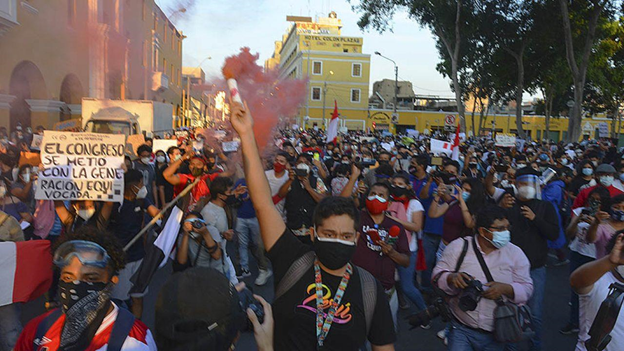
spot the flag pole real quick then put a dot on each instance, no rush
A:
(162, 212)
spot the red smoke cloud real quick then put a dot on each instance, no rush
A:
(268, 97)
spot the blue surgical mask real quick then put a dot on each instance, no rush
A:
(465, 196)
(606, 181)
(588, 171)
(617, 215)
(500, 239)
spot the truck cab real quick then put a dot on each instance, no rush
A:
(113, 120)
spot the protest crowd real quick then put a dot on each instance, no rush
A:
(349, 230)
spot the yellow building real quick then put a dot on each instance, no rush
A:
(53, 53)
(334, 65)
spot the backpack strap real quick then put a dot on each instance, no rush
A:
(484, 267)
(369, 295)
(462, 255)
(45, 325)
(294, 273)
(121, 329)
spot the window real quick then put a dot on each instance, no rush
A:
(164, 66)
(71, 12)
(355, 95)
(165, 33)
(143, 10)
(356, 70)
(316, 94)
(172, 76)
(155, 22)
(179, 46)
(155, 57)
(317, 67)
(178, 77)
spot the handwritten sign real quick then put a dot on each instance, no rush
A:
(505, 140)
(133, 142)
(36, 142)
(230, 146)
(164, 144)
(603, 130)
(81, 166)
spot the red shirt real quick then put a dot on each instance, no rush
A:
(368, 254)
(139, 339)
(581, 199)
(200, 190)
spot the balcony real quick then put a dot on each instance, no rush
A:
(160, 81)
(8, 15)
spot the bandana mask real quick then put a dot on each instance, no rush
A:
(85, 305)
(376, 204)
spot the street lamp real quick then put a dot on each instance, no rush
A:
(396, 82)
(181, 10)
(331, 73)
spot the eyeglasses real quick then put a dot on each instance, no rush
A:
(87, 252)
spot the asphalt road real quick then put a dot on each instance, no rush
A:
(556, 312)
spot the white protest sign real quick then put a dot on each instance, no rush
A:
(230, 146)
(81, 166)
(462, 137)
(163, 144)
(439, 146)
(505, 140)
(603, 130)
(36, 141)
(520, 144)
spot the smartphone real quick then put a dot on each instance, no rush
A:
(501, 167)
(374, 235)
(436, 161)
(317, 156)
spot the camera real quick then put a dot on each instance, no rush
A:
(606, 318)
(437, 308)
(198, 223)
(248, 301)
(301, 172)
(471, 295)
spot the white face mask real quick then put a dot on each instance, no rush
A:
(86, 213)
(606, 181)
(526, 192)
(26, 177)
(177, 157)
(3, 191)
(145, 160)
(160, 159)
(521, 165)
(142, 193)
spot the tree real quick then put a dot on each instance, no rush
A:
(446, 19)
(579, 29)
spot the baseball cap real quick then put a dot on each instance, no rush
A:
(198, 309)
(605, 168)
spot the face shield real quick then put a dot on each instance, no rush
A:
(528, 186)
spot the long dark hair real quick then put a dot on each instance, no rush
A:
(581, 165)
(477, 198)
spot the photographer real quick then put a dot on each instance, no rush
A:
(472, 329)
(591, 282)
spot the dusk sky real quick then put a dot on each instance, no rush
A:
(219, 28)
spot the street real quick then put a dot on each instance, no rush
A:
(556, 312)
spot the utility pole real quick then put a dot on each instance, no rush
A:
(396, 87)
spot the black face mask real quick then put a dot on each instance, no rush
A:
(230, 200)
(210, 164)
(384, 162)
(472, 165)
(333, 255)
(412, 170)
(397, 191)
(196, 172)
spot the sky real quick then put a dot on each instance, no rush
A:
(218, 29)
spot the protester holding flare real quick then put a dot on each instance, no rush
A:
(334, 238)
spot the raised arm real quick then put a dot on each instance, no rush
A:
(170, 172)
(489, 181)
(271, 224)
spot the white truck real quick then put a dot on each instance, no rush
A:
(126, 116)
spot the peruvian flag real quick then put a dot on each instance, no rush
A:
(332, 130)
(455, 155)
(25, 270)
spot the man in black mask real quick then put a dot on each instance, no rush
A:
(308, 280)
(89, 260)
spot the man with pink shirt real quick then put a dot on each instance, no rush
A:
(509, 268)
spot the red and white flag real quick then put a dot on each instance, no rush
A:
(455, 155)
(441, 147)
(332, 129)
(25, 270)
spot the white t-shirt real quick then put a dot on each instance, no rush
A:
(275, 184)
(580, 244)
(414, 206)
(215, 216)
(588, 308)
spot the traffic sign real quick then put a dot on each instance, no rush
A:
(449, 120)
